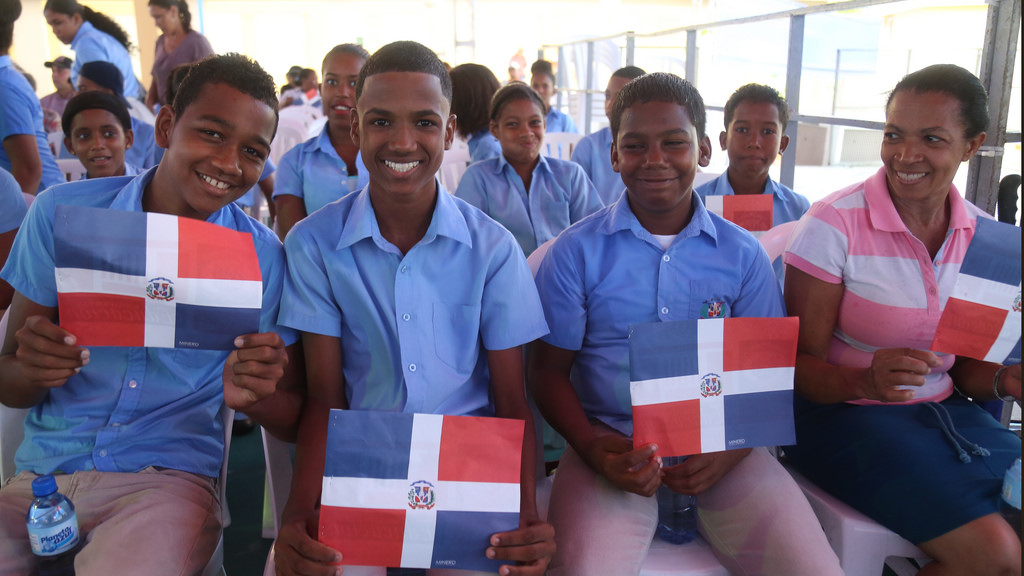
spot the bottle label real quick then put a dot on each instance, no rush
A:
(54, 540)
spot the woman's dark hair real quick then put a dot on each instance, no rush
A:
(174, 78)
(510, 93)
(10, 11)
(183, 13)
(101, 21)
(347, 48)
(957, 82)
(473, 86)
(546, 68)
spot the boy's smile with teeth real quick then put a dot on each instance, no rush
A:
(401, 166)
(216, 183)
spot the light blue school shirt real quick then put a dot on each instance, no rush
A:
(314, 172)
(91, 44)
(130, 408)
(12, 203)
(414, 329)
(787, 205)
(249, 198)
(483, 145)
(129, 170)
(593, 153)
(20, 113)
(609, 272)
(560, 194)
(558, 121)
(144, 153)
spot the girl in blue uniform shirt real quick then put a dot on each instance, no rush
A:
(542, 79)
(93, 36)
(533, 196)
(473, 86)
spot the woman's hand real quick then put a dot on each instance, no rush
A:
(893, 370)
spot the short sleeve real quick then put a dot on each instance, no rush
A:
(819, 244)
(30, 266)
(308, 303)
(471, 187)
(760, 295)
(15, 117)
(511, 313)
(272, 265)
(560, 286)
(288, 178)
(12, 203)
(585, 199)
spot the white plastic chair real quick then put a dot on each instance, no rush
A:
(560, 144)
(291, 130)
(453, 166)
(56, 142)
(71, 168)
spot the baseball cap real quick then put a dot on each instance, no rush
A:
(59, 62)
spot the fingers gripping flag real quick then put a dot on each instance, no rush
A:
(155, 280)
(710, 385)
(752, 212)
(981, 318)
(419, 490)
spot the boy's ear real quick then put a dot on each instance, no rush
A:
(353, 130)
(67, 144)
(615, 156)
(129, 139)
(163, 127)
(722, 138)
(493, 128)
(705, 152)
(783, 143)
(449, 131)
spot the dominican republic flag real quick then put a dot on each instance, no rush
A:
(710, 385)
(154, 280)
(419, 490)
(752, 212)
(982, 316)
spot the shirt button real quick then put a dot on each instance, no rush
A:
(404, 268)
(133, 384)
(931, 291)
(406, 317)
(664, 310)
(412, 367)
(103, 453)
(666, 258)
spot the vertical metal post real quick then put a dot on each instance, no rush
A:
(588, 106)
(794, 69)
(631, 48)
(560, 77)
(996, 74)
(202, 21)
(691, 56)
(835, 81)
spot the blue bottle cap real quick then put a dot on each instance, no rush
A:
(44, 486)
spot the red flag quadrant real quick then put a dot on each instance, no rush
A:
(419, 490)
(752, 212)
(155, 280)
(982, 316)
(702, 386)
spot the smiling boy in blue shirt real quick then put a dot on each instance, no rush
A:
(408, 299)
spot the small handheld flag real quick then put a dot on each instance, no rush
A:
(752, 212)
(419, 490)
(155, 280)
(702, 386)
(982, 318)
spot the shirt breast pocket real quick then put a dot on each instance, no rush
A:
(711, 299)
(456, 336)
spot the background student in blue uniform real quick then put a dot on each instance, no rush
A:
(98, 131)
(408, 300)
(656, 255)
(593, 152)
(533, 196)
(327, 166)
(133, 435)
(473, 87)
(542, 79)
(754, 136)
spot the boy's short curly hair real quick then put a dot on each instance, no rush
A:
(238, 71)
(405, 56)
(756, 93)
(660, 87)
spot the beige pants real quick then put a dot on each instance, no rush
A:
(153, 522)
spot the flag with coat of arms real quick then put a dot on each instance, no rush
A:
(701, 386)
(155, 280)
(752, 212)
(982, 316)
(419, 490)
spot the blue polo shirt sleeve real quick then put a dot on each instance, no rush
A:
(12, 202)
(585, 200)
(274, 269)
(308, 303)
(560, 286)
(288, 179)
(15, 117)
(511, 313)
(760, 295)
(583, 154)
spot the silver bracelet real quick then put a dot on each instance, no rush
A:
(995, 386)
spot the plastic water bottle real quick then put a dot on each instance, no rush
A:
(1010, 508)
(677, 513)
(52, 528)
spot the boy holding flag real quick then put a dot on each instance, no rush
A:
(409, 300)
(656, 255)
(133, 434)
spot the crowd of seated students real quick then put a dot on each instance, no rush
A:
(382, 291)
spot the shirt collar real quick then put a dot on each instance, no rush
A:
(542, 165)
(883, 212)
(447, 220)
(621, 217)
